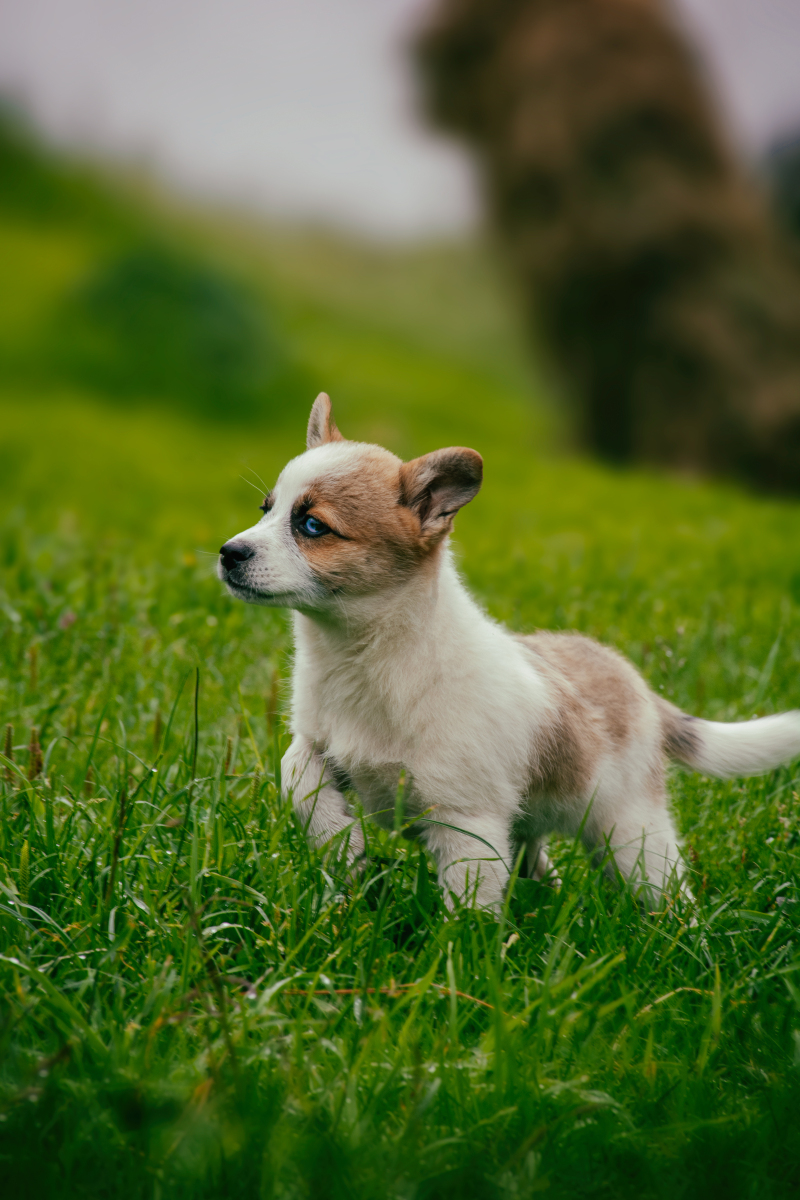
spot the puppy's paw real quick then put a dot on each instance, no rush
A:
(544, 870)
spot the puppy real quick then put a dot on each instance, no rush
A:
(502, 738)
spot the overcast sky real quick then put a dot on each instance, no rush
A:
(305, 107)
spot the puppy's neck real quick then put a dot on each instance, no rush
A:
(399, 619)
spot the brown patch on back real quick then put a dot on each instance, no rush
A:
(567, 749)
(598, 695)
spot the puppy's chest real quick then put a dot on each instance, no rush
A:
(370, 740)
(359, 720)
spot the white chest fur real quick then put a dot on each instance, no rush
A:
(428, 684)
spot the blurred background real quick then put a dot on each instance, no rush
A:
(536, 227)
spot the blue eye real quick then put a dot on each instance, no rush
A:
(312, 527)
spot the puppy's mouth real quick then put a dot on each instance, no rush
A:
(255, 595)
(245, 592)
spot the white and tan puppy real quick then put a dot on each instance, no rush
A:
(397, 669)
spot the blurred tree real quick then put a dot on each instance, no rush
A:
(646, 255)
(783, 173)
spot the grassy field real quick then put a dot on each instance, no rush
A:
(194, 1004)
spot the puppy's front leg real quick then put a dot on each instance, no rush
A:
(473, 855)
(318, 803)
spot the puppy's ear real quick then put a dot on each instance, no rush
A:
(437, 485)
(321, 425)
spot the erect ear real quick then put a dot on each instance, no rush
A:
(437, 485)
(321, 425)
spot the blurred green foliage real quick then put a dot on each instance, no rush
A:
(120, 307)
(157, 323)
(41, 187)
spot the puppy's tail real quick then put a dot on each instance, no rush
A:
(744, 748)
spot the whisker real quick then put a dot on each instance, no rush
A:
(261, 490)
(258, 477)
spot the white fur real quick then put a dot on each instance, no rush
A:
(747, 747)
(426, 683)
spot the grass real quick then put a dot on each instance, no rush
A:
(196, 1003)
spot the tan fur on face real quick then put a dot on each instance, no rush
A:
(387, 516)
(378, 540)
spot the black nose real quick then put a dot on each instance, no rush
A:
(233, 553)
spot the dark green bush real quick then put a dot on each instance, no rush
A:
(147, 317)
(156, 323)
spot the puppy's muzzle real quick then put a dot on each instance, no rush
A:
(233, 554)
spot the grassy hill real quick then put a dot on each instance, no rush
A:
(193, 1001)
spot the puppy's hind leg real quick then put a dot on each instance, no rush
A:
(642, 844)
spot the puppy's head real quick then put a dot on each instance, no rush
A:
(347, 519)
